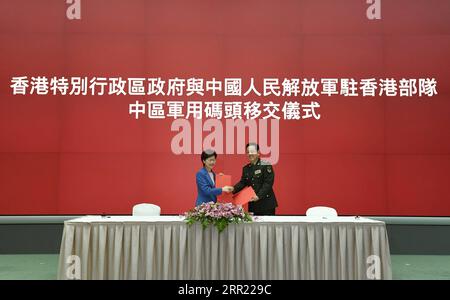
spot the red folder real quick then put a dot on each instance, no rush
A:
(244, 196)
(221, 181)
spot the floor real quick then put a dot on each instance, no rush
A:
(44, 266)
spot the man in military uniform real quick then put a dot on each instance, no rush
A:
(259, 175)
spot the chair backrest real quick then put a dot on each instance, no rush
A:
(321, 211)
(146, 209)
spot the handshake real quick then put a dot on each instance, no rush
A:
(227, 189)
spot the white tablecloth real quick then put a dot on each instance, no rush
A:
(272, 247)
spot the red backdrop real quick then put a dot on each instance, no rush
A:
(86, 155)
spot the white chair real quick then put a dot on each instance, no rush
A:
(146, 209)
(321, 211)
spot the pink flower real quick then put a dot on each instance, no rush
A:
(210, 213)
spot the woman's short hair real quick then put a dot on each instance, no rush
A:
(207, 154)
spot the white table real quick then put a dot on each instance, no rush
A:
(272, 247)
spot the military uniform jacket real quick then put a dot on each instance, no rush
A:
(260, 177)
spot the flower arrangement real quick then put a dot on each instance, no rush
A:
(218, 214)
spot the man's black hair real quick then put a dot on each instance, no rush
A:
(252, 144)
